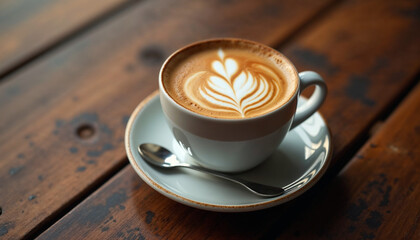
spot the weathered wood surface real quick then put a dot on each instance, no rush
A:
(64, 115)
(28, 27)
(376, 196)
(367, 52)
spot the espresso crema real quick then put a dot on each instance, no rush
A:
(230, 82)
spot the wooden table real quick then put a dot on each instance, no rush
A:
(72, 71)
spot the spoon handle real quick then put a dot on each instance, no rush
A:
(257, 188)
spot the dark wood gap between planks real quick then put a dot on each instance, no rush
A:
(398, 99)
(363, 139)
(72, 203)
(70, 36)
(313, 19)
(347, 156)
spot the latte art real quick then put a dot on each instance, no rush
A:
(231, 82)
(233, 85)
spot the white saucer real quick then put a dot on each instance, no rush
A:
(301, 159)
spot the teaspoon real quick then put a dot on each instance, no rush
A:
(162, 157)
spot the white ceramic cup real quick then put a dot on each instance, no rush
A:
(234, 145)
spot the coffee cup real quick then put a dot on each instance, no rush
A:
(230, 102)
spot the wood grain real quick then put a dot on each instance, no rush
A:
(377, 195)
(126, 208)
(64, 116)
(29, 27)
(366, 52)
(364, 74)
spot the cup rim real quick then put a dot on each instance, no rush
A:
(162, 89)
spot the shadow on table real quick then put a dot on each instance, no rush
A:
(171, 219)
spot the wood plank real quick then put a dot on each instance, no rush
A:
(355, 69)
(92, 85)
(127, 208)
(377, 195)
(29, 27)
(367, 56)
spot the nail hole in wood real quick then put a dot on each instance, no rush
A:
(152, 55)
(85, 131)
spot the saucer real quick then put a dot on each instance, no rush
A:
(299, 162)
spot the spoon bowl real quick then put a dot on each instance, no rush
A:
(158, 155)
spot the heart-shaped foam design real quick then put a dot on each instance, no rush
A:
(234, 85)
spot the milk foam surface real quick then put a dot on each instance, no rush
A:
(230, 83)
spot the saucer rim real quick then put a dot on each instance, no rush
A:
(216, 207)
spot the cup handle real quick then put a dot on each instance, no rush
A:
(303, 112)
